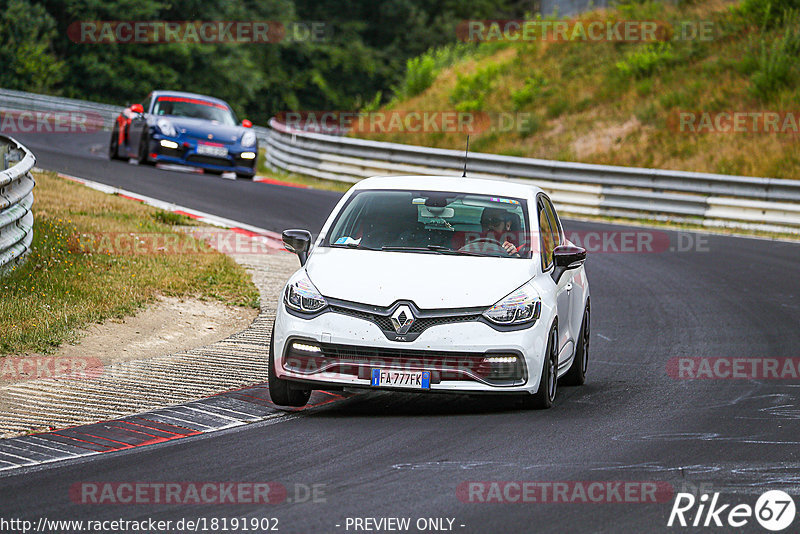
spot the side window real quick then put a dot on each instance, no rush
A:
(146, 103)
(545, 236)
(555, 223)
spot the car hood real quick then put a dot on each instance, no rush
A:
(200, 129)
(431, 281)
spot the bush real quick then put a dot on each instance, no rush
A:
(646, 60)
(773, 64)
(471, 90)
(422, 71)
(533, 87)
(767, 13)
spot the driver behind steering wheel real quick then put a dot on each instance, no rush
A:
(496, 224)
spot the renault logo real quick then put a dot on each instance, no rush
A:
(402, 319)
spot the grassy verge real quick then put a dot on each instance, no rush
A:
(618, 103)
(61, 289)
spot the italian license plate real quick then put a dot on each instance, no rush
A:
(212, 150)
(401, 379)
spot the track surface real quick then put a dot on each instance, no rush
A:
(404, 455)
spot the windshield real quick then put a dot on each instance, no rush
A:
(195, 109)
(434, 223)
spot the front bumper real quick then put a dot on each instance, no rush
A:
(186, 154)
(454, 354)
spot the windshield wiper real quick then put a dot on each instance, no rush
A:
(430, 248)
(352, 245)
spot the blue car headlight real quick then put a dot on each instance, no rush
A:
(166, 128)
(249, 139)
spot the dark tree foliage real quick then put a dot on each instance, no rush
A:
(366, 46)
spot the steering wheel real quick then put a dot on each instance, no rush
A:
(469, 247)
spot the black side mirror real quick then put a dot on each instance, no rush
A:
(298, 241)
(567, 257)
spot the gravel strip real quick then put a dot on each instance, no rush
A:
(136, 385)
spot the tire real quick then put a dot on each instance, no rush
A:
(144, 144)
(548, 384)
(212, 171)
(243, 176)
(279, 390)
(576, 376)
(113, 146)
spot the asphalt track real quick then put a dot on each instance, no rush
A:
(404, 455)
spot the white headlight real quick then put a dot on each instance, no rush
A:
(520, 306)
(249, 138)
(166, 128)
(302, 296)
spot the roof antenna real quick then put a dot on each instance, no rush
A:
(465, 158)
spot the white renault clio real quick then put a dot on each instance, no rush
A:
(434, 284)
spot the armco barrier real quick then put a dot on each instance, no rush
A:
(769, 204)
(16, 200)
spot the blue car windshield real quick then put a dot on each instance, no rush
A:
(195, 109)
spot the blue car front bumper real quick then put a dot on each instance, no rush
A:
(182, 151)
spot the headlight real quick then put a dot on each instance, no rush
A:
(166, 128)
(302, 296)
(249, 139)
(520, 306)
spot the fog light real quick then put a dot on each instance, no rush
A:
(500, 359)
(248, 155)
(305, 347)
(166, 143)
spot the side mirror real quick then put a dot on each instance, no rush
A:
(567, 257)
(247, 124)
(137, 108)
(298, 241)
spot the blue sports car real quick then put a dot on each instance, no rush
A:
(185, 129)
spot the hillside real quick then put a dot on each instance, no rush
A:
(621, 102)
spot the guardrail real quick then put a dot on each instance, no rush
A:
(767, 204)
(101, 116)
(16, 200)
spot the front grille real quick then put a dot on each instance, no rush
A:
(401, 356)
(210, 160)
(357, 361)
(420, 324)
(424, 323)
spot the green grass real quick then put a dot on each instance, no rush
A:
(585, 91)
(60, 289)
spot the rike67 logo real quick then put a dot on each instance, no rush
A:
(774, 510)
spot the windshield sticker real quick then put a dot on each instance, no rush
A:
(505, 200)
(347, 241)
